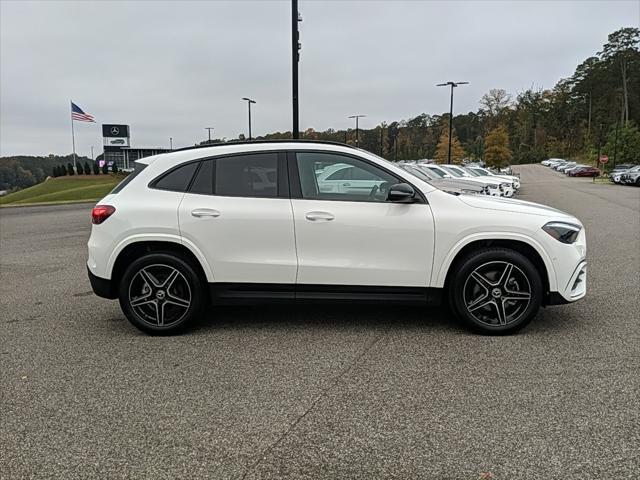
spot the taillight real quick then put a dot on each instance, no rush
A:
(100, 213)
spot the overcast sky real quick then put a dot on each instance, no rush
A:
(171, 68)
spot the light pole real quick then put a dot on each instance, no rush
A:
(452, 85)
(249, 102)
(208, 129)
(170, 143)
(357, 117)
(295, 58)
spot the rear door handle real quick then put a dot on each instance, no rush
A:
(205, 212)
(315, 216)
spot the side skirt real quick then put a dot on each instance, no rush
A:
(262, 293)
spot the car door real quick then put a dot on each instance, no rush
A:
(237, 212)
(357, 238)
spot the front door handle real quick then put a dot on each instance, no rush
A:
(205, 212)
(346, 184)
(315, 216)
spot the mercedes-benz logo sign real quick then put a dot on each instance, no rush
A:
(115, 130)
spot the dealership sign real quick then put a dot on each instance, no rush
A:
(116, 131)
(116, 141)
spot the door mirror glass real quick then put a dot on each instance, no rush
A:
(401, 193)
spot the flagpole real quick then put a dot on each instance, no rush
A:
(73, 136)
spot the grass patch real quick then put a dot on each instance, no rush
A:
(64, 189)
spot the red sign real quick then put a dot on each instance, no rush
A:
(604, 159)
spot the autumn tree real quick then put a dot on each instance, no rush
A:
(442, 149)
(495, 104)
(496, 150)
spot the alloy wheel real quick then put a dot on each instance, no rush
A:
(159, 295)
(497, 293)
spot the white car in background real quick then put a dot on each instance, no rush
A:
(194, 228)
(492, 189)
(485, 172)
(505, 186)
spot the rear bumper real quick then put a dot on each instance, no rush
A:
(102, 287)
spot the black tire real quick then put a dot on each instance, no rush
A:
(142, 294)
(480, 283)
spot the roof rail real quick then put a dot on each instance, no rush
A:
(251, 142)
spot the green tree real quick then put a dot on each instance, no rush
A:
(96, 168)
(114, 168)
(496, 151)
(87, 170)
(70, 169)
(624, 145)
(63, 171)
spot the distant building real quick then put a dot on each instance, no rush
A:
(118, 150)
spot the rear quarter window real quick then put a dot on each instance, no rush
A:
(139, 167)
(178, 179)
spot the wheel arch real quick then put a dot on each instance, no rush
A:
(521, 244)
(134, 248)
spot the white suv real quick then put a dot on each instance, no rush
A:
(252, 222)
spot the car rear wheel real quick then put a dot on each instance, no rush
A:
(161, 293)
(495, 291)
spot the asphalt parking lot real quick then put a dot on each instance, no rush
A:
(329, 392)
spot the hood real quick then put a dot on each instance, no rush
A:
(445, 183)
(515, 206)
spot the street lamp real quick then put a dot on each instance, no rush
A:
(249, 102)
(452, 85)
(208, 129)
(357, 117)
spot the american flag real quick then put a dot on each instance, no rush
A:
(79, 115)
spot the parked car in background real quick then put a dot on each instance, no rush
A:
(566, 166)
(631, 176)
(194, 227)
(479, 171)
(584, 171)
(505, 186)
(491, 188)
(447, 184)
(616, 174)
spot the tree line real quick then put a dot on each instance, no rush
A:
(86, 169)
(595, 111)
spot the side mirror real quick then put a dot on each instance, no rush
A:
(401, 193)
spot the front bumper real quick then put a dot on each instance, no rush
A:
(102, 287)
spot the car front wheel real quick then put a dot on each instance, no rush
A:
(161, 293)
(496, 291)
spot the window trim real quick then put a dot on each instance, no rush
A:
(296, 188)
(283, 189)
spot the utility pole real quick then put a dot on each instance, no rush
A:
(381, 140)
(615, 145)
(92, 152)
(170, 143)
(249, 102)
(208, 129)
(357, 117)
(452, 85)
(295, 59)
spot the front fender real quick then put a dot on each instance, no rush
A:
(441, 274)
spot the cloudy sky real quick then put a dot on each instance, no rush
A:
(171, 68)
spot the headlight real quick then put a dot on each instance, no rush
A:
(563, 232)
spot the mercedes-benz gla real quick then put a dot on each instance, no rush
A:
(253, 222)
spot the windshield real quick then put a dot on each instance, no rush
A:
(427, 172)
(453, 171)
(416, 172)
(435, 170)
(473, 172)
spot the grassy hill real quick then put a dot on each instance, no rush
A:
(64, 189)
